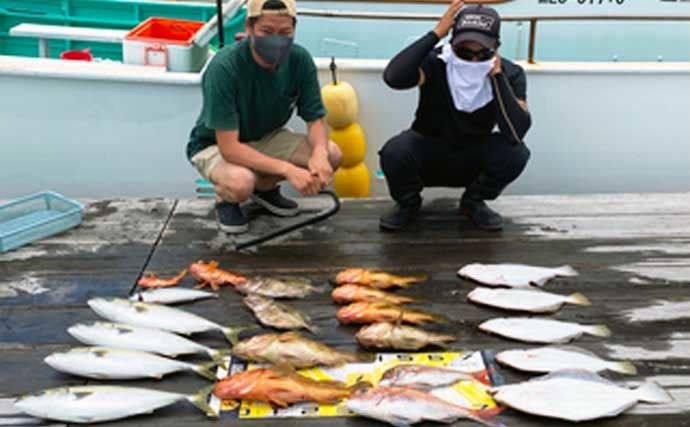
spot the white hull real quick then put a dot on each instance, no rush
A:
(93, 130)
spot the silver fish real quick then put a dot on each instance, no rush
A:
(278, 315)
(278, 287)
(554, 358)
(118, 335)
(92, 404)
(159, 317)
(427, 377)
(171, 295)
(532, 301)
(117, 364)
(541, 330)
(575, 395)
(513, 275)
(403, 406)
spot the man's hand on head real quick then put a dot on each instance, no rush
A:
(497, 65)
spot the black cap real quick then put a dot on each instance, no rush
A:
(477, 23)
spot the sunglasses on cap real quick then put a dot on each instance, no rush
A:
(468, 54)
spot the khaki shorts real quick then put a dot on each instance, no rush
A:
(280, 144)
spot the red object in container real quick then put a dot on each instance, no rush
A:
(77, 55)
(164, 30)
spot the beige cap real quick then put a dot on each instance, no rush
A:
(255, 8)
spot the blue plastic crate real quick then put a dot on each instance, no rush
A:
(36, 217)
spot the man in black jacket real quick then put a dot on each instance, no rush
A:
(465, 90)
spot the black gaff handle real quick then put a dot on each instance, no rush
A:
(292, 227)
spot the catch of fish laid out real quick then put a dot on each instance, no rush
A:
(532, 301)
(156, 282)
(291, 348)
(279, 386)
(513, 275)
(117, 335)
(117, 364)
(278, 287)
(555, 358)
(171, 295)
(210, 275)
(373, 312)
(389, 335)
(545, 331)
(354, 293)
(376, 278)
(278, 315)
(92, 404)
(404, 406)
(428, 377)
(156, 316)
(575, 395)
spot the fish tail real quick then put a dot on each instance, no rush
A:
(320, 289)
(219, 356)
(652, 393)
(483, 376)
(205, 369)
(487, 416)
(566, 270)
(200, 400)
(408, 280)
(312, 328)
(363, 357)
(439, 318)
(442, 340)
(623, 368)
(599, 331)
(232, 332)
(180, 276)
(578, 299)
(360, 386)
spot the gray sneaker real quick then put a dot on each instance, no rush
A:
(231, 218)
(275, 203)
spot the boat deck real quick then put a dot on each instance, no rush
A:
(632, 252)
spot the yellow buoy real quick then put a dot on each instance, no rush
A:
(340, 100)
(351, 142)
(353, 181)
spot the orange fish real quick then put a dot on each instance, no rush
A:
(373, 312)
(210, 275)
(376, 279)
(156, 282)
(279, 386)
(354, 293)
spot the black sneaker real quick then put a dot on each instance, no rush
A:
(231, 218)
(399, 217)
(481, 215)
(275, 203)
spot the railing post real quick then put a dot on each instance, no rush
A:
(532, 40)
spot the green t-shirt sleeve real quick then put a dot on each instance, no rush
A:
(309, 105)
(219, 98)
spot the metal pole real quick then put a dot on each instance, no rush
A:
(219, 23)
(532, 40)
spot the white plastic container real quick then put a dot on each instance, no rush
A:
(168, 43)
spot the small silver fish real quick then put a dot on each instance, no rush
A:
(92, 404)
(159, 317)
(117, 364)
(532, 301)
(541, 330)
(118, 335)
(575, 395)
(513, 275)
(278, 315)
(555, 358)
(171, 295)
(278, 287)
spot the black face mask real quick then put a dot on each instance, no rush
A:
(272, 49)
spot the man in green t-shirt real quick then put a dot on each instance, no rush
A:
(250, 90)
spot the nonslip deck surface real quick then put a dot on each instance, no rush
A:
(632, 252)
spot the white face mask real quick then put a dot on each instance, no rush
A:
(468, 81)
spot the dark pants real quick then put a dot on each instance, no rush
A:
(412, 161)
